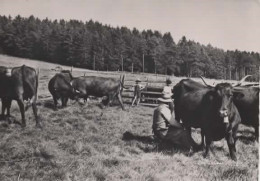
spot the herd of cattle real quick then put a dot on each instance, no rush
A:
(216, 110)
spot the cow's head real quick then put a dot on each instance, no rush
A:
(223, 94)
(74, 93)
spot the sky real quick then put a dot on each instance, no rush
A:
(226, 24)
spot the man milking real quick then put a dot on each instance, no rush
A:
(165, 127)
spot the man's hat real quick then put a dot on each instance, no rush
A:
(138, 80)
(166, 97)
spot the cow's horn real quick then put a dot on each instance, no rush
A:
(77, 91)
(205, 82)
(242, 80)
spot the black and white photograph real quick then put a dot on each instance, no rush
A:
(131, 90)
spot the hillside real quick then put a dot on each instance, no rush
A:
(10, 61)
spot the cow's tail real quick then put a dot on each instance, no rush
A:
(37, 83)
(24, 96)
(25, 83)
(23, 76)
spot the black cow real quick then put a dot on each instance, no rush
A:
(19, 83)
(210, 109)
(246, 100)
(99, 87)
(183, 87)
(60, 88)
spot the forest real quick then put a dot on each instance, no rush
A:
(95, 46)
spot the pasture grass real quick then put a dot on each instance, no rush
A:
(86, 142)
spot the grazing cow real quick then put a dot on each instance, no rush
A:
(210, 109)
(60, 88)
(19, 83)
(99, 87)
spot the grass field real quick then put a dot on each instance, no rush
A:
(85, 142)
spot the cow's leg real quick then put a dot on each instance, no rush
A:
(105, 100)
(34, 107)
(66, 100)
(235, 140)
(202, 139)
(85, 99)
(63, 100)
(21, 106)
(110, 99)
(120, 101)
(55, 100)
(257, 133)
(208, 143)
(6, 105)
(3, 108)
(231, 145)
(28, 104)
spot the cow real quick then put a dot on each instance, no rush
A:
(19, 83)
(60, 88)
(99, 87)
(183, 87)
(246, 99)
(208, 108)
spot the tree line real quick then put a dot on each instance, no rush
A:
(93, 45)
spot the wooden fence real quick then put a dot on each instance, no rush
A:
(149, 94)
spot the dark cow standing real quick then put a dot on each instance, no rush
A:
(209, 109)
(221, 117)
(60, 88)
(246, 100)
(99, 87)
(183, 87)
(20, 84)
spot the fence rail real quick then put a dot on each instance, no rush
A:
(148, 98)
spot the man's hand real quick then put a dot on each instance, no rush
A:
(173, 122)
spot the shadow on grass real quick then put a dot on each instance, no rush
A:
(151, 144)
(48, 104)
(246, 131)
(7, 120)
(246, 139)
(128, 136)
